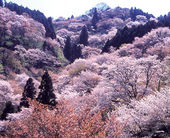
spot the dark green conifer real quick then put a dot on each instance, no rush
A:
(46, 95)
(95, 18)
(29, 92)
(9, 108)
(67, 48)
(76, 52)
(106, 46)
(1, 3)
(84, 36)
(50, 29)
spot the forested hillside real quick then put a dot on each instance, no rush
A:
(104, 74)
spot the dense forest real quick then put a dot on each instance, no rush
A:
(35, 14)
(102, 74)
(127, 35)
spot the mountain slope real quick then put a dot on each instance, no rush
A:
(123, 93)
(109, 21)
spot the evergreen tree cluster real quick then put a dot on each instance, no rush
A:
(84, 36)
(29, 92)
(35, 14)
(127, 35)
(164, 21)
(45, 96)
(95, 18)
(134, 12)
(9, 108)
(72, 52)
(1, 3)
(67, 48)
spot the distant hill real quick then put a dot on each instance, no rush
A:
(24, 32)
(36, 15)
(102, 24)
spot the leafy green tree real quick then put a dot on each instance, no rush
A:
(29, 92)
(9, 108)
(84, 36)
(46, 95)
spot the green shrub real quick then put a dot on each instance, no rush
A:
(7, 37)
(1, 68)
(60, 57)
(14, 64)
(77, 69)
(9, 43)
(123, 45)
(123, 53)
(9, 60)
(0, 112)
(39, 44)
